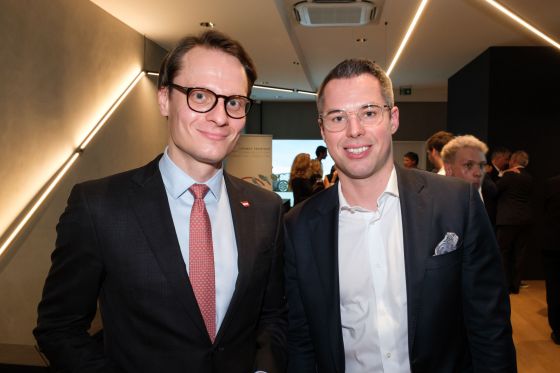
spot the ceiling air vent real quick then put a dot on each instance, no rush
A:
(328, 13)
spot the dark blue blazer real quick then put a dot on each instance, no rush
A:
(117, 244)
(458, 308)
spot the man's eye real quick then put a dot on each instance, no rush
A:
(199, 96)
(338, 118)
(234, 103)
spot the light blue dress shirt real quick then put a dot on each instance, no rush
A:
(177, 183)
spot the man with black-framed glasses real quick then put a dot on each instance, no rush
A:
(184, 259)
(394, 270)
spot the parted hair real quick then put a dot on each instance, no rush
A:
(171, 64)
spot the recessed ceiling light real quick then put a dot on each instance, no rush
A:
(207, 24)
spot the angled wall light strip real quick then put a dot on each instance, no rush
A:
(273, 88)
(411, 27)
(306, 92)
(66, 166)
(39, 201)
(523, 23)
(108, 114)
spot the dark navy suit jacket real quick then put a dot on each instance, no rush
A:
(458, 308)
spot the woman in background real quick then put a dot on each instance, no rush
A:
(300, 183)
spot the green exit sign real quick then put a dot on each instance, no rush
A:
(406, 91)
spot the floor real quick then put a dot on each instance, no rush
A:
(536, 353)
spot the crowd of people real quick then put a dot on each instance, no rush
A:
(194, 270)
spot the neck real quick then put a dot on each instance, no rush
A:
(365, 192)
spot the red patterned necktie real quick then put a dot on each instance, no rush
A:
(201, 259)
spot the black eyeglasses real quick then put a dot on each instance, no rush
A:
(203, 100)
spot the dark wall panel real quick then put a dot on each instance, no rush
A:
(519, 110)
(468, 98)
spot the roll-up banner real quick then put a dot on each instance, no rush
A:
(251, 160)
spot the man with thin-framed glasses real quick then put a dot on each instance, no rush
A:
(184, 259)
(394, 270)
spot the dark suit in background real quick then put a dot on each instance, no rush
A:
(551, 253)
(457, 306)
(490, 196)
(513, 222)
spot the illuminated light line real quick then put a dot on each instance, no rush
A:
(407, 35)
(273, 88)
(107, 115)
(307, 93)
(38, 203)
(523, 23)
(277, 89)
(67, 164)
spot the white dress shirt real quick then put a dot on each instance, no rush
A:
(177, 183)
(373, 303)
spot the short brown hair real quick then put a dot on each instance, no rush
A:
(438, 140)
(355, 67)
(210, 39)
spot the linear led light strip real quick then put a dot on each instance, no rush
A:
(66, 166)
(407, 35)
(523, 23)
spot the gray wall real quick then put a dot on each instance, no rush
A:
(63, 64)
(298, 120)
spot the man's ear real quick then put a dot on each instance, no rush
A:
(163, 101)
(448, 169)
(394, 112)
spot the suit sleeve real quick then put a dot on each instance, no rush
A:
(271, 335)
(70, 294)
(301, 354)
(485, 299)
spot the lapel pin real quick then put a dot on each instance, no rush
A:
(245, 204)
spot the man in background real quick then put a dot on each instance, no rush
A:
(392, 270)
(499, 160)
(410, 160)
(551, 254)
(514, 217)
(464, 157)
(184, 259)
(320, 154)
(434, 145)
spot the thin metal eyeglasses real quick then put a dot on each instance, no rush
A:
(368, 115)
(202, 100)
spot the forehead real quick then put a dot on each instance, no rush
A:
(469, 153)
(212, 68)
(352, 92)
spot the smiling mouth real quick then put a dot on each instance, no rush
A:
(359, 150)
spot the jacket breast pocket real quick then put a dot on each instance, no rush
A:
(445, 260)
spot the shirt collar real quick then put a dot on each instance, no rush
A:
(177, 182)
(391, 189)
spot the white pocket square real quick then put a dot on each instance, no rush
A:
(447, 245)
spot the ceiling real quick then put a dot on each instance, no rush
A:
(449, 34)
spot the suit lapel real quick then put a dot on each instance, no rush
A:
(149, 202)
(323, 232)
(243, 223)
(416, 219)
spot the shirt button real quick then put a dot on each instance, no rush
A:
(388, 354)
